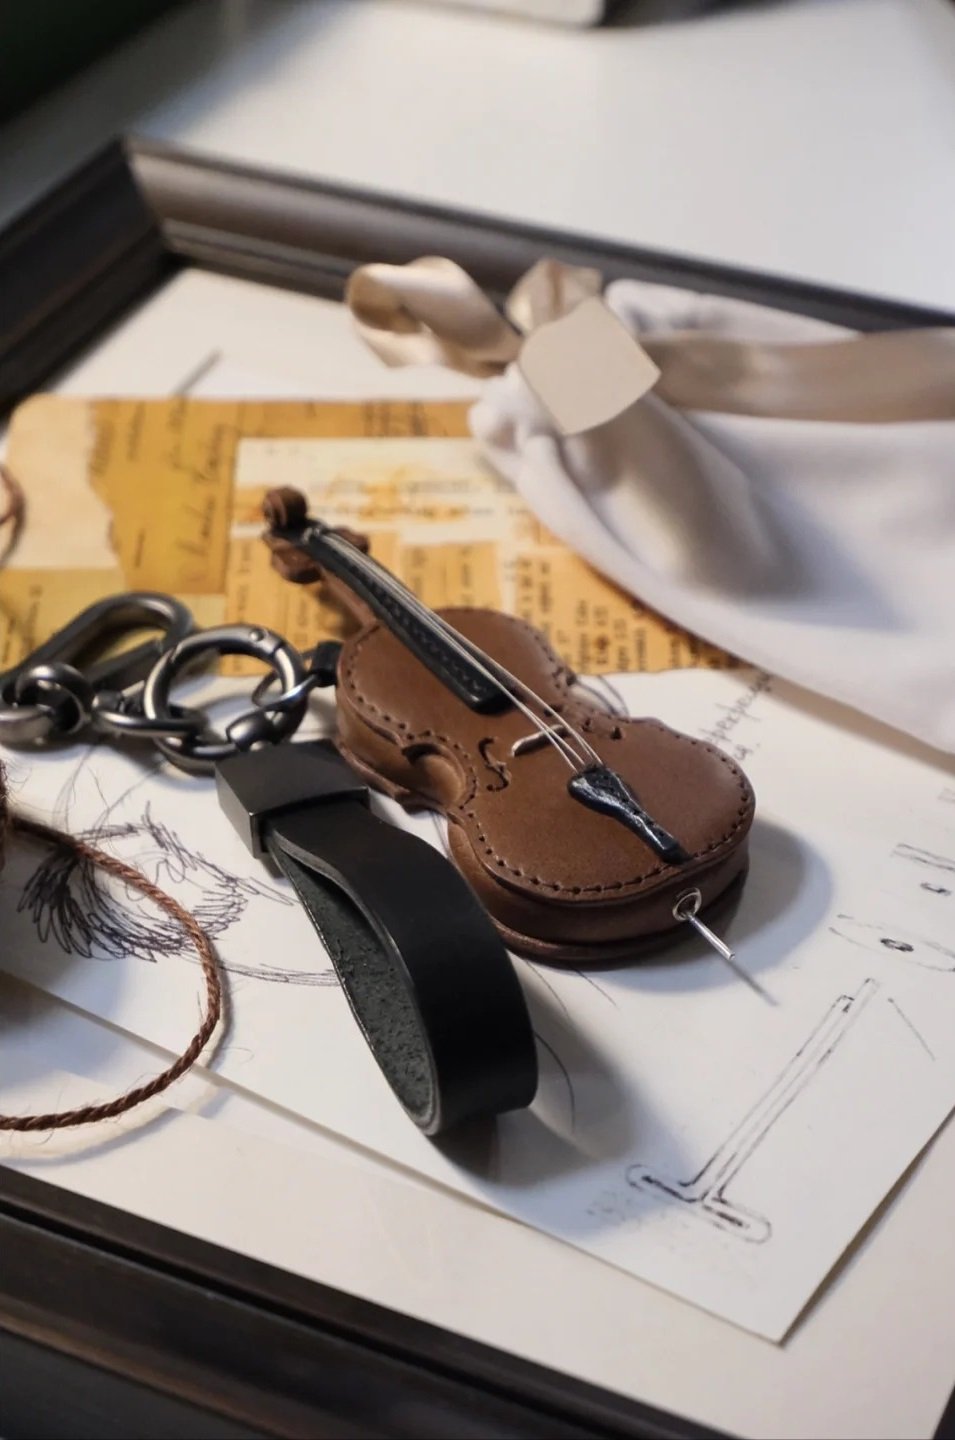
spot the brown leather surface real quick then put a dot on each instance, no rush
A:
(560, 880)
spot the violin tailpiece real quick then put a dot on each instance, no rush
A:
(601, 789)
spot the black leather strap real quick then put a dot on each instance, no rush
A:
(425, 974)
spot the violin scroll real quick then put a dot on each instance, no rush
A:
(285, 508)
(285, 511)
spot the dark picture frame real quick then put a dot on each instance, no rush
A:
(111, 1325)
(118, 228)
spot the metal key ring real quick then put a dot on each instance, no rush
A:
(197, 755)
(115, 713)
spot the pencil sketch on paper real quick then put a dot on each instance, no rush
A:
(705, 1194)
(916, 1033)
(69, 905)
(880, 937)
(943, 863)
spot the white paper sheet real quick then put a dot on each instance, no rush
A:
(724, 1145)
(873, 1359)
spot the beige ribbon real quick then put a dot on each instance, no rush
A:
(430, 311)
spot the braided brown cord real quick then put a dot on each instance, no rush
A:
(13, 515)
(89, 1114)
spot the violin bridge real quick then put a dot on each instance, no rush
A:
(537, 738)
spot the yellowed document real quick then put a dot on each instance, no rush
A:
(166, 495)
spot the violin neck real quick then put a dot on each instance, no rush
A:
(400, 612)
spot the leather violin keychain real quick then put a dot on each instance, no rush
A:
(587, 837)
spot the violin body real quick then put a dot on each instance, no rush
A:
(560, 881)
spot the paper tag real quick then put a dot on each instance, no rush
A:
(586, 368)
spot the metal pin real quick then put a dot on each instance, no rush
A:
(686, 909)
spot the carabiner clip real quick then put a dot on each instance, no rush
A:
(49, 696)
(200, 753)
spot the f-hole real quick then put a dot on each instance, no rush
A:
(498, 769)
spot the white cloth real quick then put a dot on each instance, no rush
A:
(821, 551)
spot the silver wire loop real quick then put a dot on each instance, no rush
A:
(687, 905)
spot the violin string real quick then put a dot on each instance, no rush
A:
(555, 732)
(465, 649)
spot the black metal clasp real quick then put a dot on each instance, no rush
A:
(53, 692)
(253, 789)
